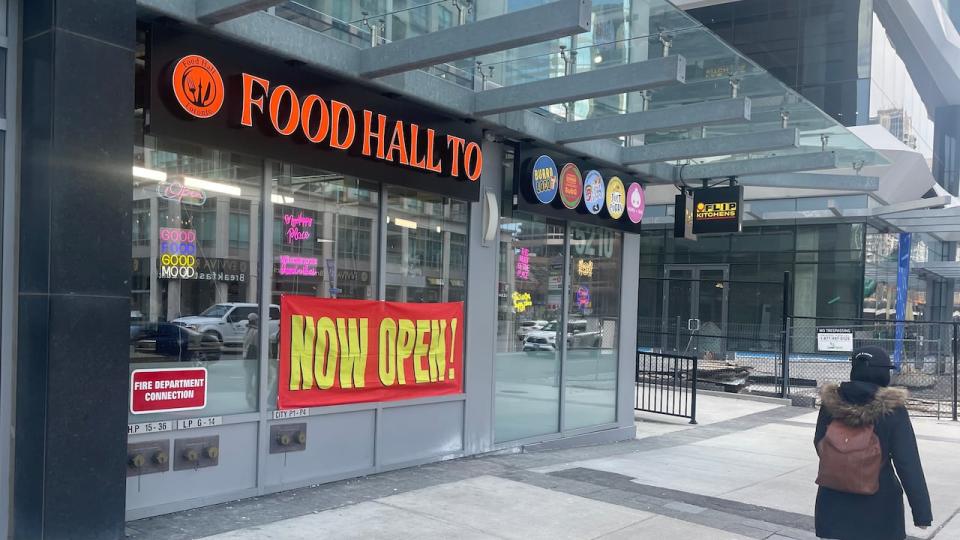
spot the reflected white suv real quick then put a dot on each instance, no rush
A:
(228, 322)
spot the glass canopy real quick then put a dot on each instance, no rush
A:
(622, 32)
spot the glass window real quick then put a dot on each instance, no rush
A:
(324, 242)
(426, 247)
(194, 283)
(527, 362)
(593, 315)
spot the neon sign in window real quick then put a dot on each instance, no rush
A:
(297, 266)
(297, 227)
(584, 268)
(523, 264)
(521, 301)
(583, 297)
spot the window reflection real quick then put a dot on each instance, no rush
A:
(592, 326)
(530, 292)
(194, 280)
(426, 247)
(324, 242)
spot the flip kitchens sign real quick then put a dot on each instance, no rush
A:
(223, 94)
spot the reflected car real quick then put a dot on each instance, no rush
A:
(528, 326)
(227, 322)
(534, 344)
(171, 342)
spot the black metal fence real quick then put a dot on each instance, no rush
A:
(667, 384)
(925, 353)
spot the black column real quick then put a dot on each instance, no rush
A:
(74, 268)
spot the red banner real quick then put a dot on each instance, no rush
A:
(350, 351)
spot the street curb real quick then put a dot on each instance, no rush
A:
(746, 397)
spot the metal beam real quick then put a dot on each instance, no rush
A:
(554, 20)
(712, 146)
(839, 182)
(929, 213)
(683, 116)
(596, 83)
(908, 206)
(218, 11)
(770, 165)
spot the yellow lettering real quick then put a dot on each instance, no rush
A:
(328, 350)
(388, 352)
(353, 342)
(405, 338)
(301, 352)
(438, 349)
(420, 352)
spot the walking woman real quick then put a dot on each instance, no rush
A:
(858, 506)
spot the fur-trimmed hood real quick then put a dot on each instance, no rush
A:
(883, 403)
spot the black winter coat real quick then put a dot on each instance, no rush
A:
(846, 516)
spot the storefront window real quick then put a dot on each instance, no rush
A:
(590, 368)
(324, 242)
(426, 247)
(530, 291)
(195, 270)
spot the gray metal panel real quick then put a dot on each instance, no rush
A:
(411, 433)
(217, 11)
(602, 82)
(553, 20)
(629, 296)
(8, 257)
(481, 311)
(336, 444)
(697, 114)
(745, 167)
(713, 146)
(237, 469)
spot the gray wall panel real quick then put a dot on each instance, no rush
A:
(237, 469)
(421, 431)
(481, 307)
(630, 290)
(336, 444)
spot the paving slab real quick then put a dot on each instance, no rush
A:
(660, 528)
(360, 521)
(509, 509)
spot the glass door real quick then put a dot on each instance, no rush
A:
(695, 309)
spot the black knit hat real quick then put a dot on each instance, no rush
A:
(872, 365)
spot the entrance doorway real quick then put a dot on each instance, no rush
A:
(695, 309)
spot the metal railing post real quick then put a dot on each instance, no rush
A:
(955, 345)
(693, 392)
(785, 347)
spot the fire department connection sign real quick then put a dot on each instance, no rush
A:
(167, 390)
(334, 352)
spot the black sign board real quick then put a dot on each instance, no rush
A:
(717, 210)
(568, 188)
(209, 91)
(683, 217)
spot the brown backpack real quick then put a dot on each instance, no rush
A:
(850, 459)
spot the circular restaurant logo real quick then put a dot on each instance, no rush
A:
(571, 186)
(636, 202)
(616, 198)
(593, 192)
(545, 179)
(198, 86)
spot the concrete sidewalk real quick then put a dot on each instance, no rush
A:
(746, 471)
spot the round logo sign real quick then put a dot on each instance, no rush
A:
(545, 179)
(616, 198)
(636, 201)
(571, 186)
(593, 192)
(198, 86)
